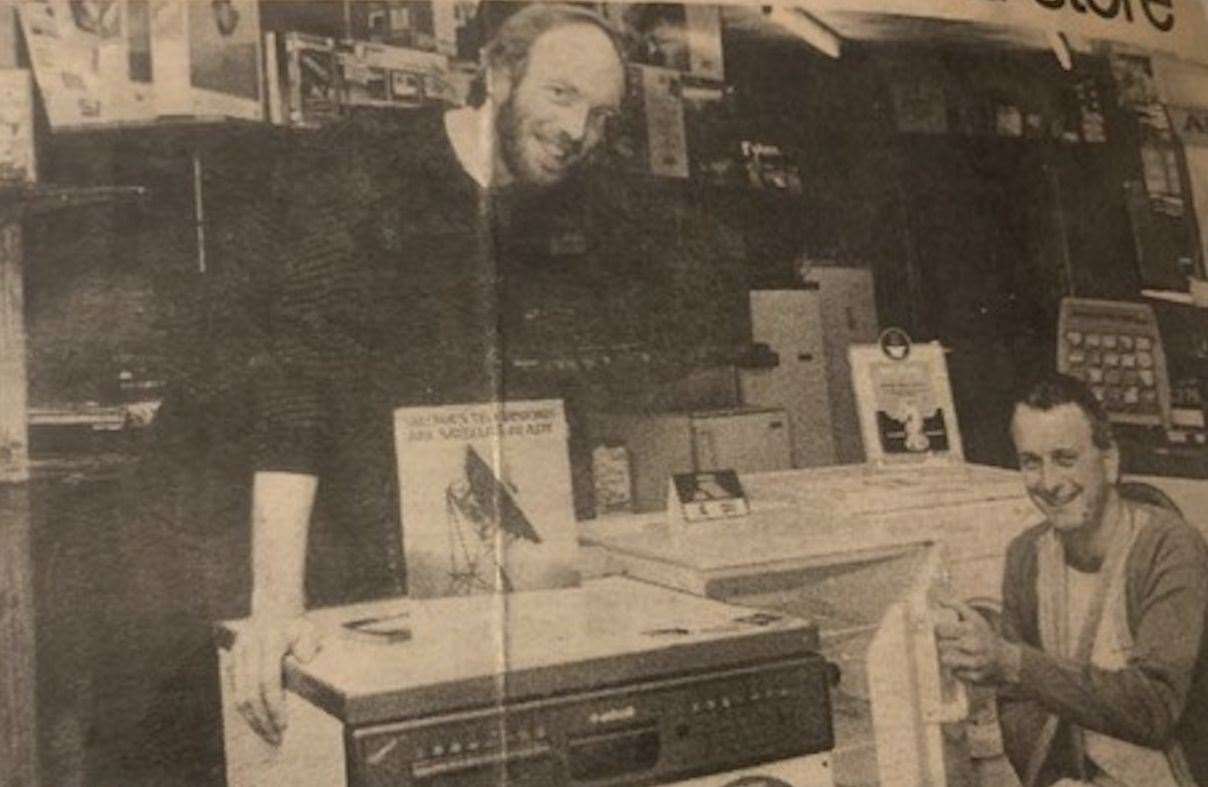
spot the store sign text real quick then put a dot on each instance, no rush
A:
(1160, 13)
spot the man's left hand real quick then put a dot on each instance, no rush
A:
(972, 649)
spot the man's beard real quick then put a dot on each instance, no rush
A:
(508, 132)
(510, 136)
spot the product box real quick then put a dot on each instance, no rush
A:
(412, 24)
(312, 91)
(656, 140)
(378, 75)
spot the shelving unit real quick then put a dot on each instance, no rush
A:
(18, 712)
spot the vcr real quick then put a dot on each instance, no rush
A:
(651, 733)
(615, 682)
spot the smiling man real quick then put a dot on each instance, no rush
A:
(1101, 662)
(388, 299)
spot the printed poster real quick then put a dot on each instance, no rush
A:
(17, 160)
(89, 60)
(486, 498)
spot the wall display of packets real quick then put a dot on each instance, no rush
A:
(389, 76)
(326, 77)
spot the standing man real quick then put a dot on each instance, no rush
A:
(1101, 663)
(388, 301)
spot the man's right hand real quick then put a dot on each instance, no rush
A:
(255, 673)
(281, 506)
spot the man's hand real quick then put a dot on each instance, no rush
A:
(255, 674)
(973, 650)
(281, 506)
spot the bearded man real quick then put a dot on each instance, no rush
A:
(390, 301)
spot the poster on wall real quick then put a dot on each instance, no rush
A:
(486, 500)
(658, 139)
(685, 37)
(89, 60)
(206, 58)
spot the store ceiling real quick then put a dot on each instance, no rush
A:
(753, 21)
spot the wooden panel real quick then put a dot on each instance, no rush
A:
(18, 747)
(9, 33)
(14, 443)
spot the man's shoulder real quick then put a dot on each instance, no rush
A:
(360, 159)
(1164, 530)
(373, 140)
(1026, 539)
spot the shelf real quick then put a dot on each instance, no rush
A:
(205, 124)
(44, 199)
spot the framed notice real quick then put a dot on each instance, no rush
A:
(904, 401)
(486, 498)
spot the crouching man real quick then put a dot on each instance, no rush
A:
(1101, 664)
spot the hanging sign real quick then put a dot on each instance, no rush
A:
(1177, 27)
(1190, 123)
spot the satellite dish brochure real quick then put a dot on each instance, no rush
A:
(486, 498)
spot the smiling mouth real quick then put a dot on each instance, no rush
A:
(557, 157)
(1058, 501)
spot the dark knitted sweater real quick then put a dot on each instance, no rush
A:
(386, 300)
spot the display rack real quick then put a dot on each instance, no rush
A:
(18, 715)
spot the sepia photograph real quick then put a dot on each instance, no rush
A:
(549, 393)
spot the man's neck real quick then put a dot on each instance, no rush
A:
(471, 132)
(1086, 548)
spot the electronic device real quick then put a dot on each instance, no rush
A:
(615, 682)
(836, 545)
(1116, 348)
(913, 698)
(810, 329)
(746, 439)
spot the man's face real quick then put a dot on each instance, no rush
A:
(555, 115)
(1066, 474)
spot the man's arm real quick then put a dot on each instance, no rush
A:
(307, 350)
(1143, 702)
(281, 508)
(1020, 717)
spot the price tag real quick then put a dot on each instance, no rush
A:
(715, 494)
